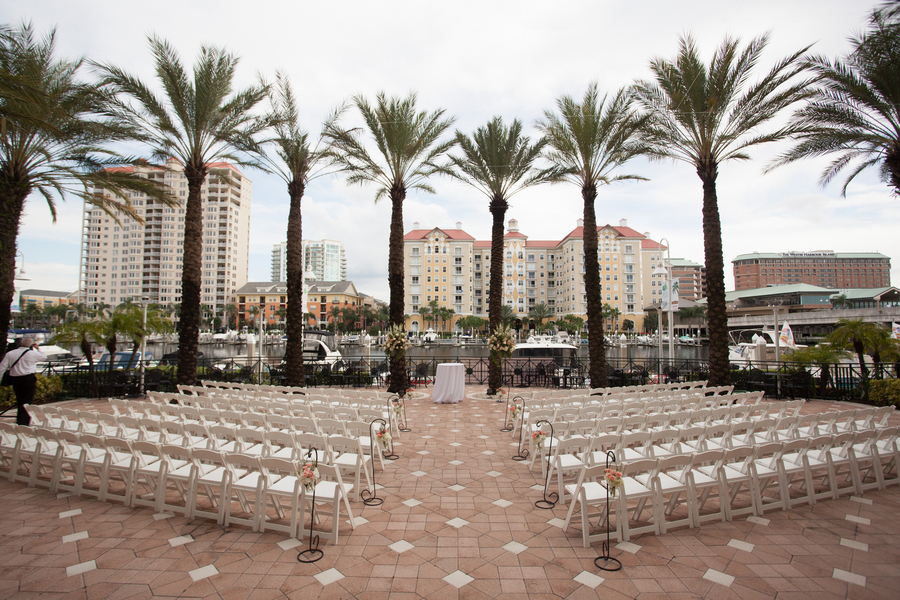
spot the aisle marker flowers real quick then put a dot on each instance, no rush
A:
(309, 476)
(538, 438)
(383, 436)
(613, 481)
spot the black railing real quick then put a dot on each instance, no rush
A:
(785, 379)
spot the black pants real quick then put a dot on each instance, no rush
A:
(24, 387)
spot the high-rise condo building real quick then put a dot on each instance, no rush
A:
(134, 260)
(323, 260)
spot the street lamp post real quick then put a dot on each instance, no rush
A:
(669, 296)
(145, 300)
(262, 316)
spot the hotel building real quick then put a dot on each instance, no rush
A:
(453, 268)
(823, 268)
(134, 260)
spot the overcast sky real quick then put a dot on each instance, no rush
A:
(478, 59)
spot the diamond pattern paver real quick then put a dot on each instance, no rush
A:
(463, 526)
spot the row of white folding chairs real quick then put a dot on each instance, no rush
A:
(191, 412)
(637, 415)
(649, 387)
(154, 427)
(277, 403)
(689, 436)
(568, 422)
(218, 387)
(240, 438)
(778, 474)
(147, 472)
(613, 405)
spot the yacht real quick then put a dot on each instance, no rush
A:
(745, 345)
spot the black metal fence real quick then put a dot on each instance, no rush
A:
(783, 379)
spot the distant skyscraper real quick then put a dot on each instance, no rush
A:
(134, 260)
(323, 260)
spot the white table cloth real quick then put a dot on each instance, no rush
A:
(449, 383)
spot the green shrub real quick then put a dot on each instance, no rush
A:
(885, 392)
(48, 388)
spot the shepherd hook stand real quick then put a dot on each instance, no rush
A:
(548, 501)
(610, 563)
(312, 554)
(402, 422)
(509, 423)
(522, 453)
(371, 498)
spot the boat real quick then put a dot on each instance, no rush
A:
(544, 346)
(430, 336)
(756, 345)
(319, 347)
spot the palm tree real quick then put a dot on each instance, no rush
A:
(83, 333)
(589, 142)
(199, 121)
(53, 144)
(611, 314)
(858, 336)
(157, 322)
(498, 161)
(705, 116)
(539, 313)
(298, 164)
(408, 145)
(424, 312)
(823, 355)
(855, 110)
(507, 316)
(840, 301)
(335, 313)
(231, 311)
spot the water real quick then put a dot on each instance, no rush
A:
(441, 352)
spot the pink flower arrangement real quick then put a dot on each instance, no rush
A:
(309, 475)
(538, 438)
(383, 437)
(613, 481)
(515, 410)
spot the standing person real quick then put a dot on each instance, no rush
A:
(21, 366)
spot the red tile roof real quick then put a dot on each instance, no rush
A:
(453, 234)
(628, 232)
(651, 245)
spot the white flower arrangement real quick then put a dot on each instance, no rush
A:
(515, 410)
(383, 436)
(398, 409)
(538, 438)
(395, 342)
(501, 343)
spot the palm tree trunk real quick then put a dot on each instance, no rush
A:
(596, 347)
(717, 319)
(188, 335)
(12, 200)
(293, 351)
(395, 283)
(498, 208)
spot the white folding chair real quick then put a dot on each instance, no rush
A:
(245, 480)
(281, 489)
(348, 456)
(588, 492)
(330, 489)
(637, 479)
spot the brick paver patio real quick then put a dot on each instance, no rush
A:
(457, 522)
